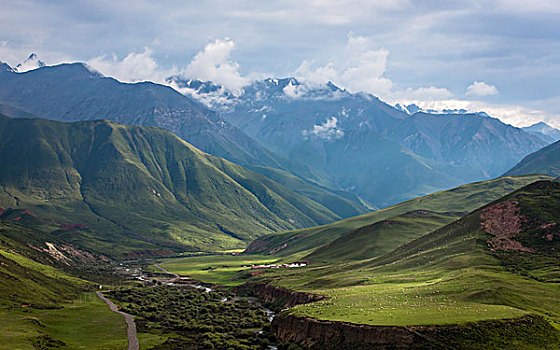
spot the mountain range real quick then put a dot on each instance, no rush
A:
(349, 152)
(73, 92)
(341, 146)
(76, 92)
(365, 146)
(98, 175)
(143, 187)
(546, 132)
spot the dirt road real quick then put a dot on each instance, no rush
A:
(131, 327)
(167, 272)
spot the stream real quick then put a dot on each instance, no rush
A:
(207, 289)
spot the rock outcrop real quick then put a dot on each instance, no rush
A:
(333, 335)
(279, 296)
(320, 334)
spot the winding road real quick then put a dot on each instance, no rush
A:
(131, 327)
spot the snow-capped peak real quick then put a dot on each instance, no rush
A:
(32, 62)
(4, 67)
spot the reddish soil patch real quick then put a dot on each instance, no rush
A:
(548, 226)
(33, 247)
(72, 227)
(28, 212)
(277, 249)
(504, 221)
(551, 231)
(51, 220)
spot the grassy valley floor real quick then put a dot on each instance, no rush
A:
(375, 296)
(215, 269)
(418, 298)
(85, 323)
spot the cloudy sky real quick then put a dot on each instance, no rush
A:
(500, 56)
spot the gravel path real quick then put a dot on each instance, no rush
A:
(131, 327)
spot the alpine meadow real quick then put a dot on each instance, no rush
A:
(243, 175)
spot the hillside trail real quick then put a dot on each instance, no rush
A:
(131, 326)
(167, 272)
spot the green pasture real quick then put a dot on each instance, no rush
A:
(218, 269)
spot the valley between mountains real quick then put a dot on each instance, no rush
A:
(285, 216)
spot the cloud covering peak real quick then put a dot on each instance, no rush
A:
(136, 66)
(359, 68)
(213, 63)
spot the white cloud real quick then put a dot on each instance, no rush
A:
(311, 91)
(214, 64)
(294, 91)
(430, 93)
(327, 131)
(318, 75)
(136, 66)
(217, 100)
(480, 88)
(360, 68)
(8, 54)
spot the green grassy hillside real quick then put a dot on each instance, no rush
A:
(342, 203)
(84, 323)
(28, 282)
(463, 199)
(28, 267)
(381, 237)
(543, 161)
(42, 304)
(499, 262)
(75, 92)
(142, 187)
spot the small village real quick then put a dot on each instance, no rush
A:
(281, 266)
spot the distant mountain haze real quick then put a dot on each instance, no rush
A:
(341, 146)
(74, 92)
(544, 161)
(544, 131)
(364, 145)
